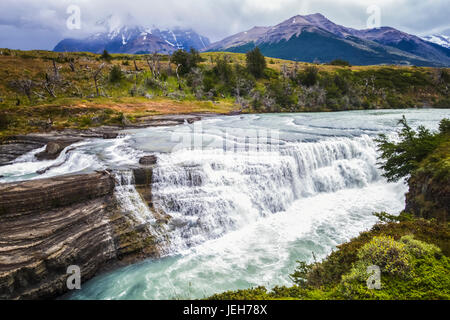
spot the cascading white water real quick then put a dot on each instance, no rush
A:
(129, 199)
(210, 192)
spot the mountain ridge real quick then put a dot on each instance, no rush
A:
(120, 37)
(289, 40)
(439, 39)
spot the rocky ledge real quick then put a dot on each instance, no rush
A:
(56, 141)
(50, 224)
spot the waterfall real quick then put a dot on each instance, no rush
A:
(134, 207)
(209, 193)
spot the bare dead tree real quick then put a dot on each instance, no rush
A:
(169, 68)
(295, 71)
(242, 86)
(55, 71)
(72, 65)
(135, 66)
(154, 65)
(39, 95)
(197, 82)
(178, 75)
(284, 71)
(24, 86)
(53, 80)
(150, 65)
(49, 87)
(95, 76)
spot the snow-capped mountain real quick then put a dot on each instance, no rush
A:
(439, 39)
(315, 38)
(126, 38)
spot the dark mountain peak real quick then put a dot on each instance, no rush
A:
(122, 35)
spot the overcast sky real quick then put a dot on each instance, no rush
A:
(41, 24)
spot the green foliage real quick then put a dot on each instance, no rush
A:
(419, 249)
(282, 92)
(300, 274)
(390, 255)
(444, 75)
(116, 75)
(4, 121)
(386, 217)
(410, 269)
(340, 62)
(186, 60)
(310, 76)
(401, 158)
(256, 63)
(106, 56)
(223, 70)
(444, 126)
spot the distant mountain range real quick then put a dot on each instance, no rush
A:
(309, 38)
(315, 38)
(119, 38)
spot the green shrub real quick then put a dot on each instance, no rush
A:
(419, 249)
(106, 56)
(390, 255)
(426, 275)
(186, 60)
(4, 121)
(340, 62)
(402, 158)
(256, 63)
(116, 75)
(310, 76)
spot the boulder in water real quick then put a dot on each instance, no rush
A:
(148, 160)
(110, 135)
(53, 149)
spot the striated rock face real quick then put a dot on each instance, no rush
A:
(40, 195)
(50, 224)
(429, 186)
(428, 197)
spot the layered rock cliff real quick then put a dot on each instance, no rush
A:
(50, 224)
(429, 187)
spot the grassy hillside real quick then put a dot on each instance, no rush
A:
(40, 90)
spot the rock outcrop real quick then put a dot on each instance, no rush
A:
(148, 160)
(429, 187)
(54, 148)
(428, 197)
(17, 146)
(50, 224)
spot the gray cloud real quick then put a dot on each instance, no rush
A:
(28, 24)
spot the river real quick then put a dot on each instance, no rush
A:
(248, 195)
